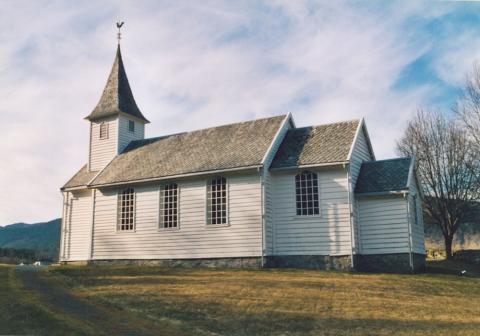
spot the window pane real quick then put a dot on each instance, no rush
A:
(169, 202)
(217, 204)
(306, 193)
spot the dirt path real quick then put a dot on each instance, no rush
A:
(92, 319)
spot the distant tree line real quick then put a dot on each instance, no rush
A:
(447, 153)
(16, 256)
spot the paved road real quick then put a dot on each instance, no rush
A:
(91, 318)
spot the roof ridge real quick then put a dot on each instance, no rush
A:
(329, 124)
(383, 160)
(208, 128)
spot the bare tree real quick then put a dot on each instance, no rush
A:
(468, 106)
(448, 167)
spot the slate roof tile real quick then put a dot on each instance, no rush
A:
(230, 146)
(117, 96)
(81, 178)
(316, 145)
(383, 176)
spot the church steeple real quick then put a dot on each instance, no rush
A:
(117, 97)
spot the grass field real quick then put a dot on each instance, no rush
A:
(256, 302)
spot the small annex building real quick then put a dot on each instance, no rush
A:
(260, 193)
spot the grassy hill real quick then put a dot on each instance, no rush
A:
(126, 300)
(43, 238)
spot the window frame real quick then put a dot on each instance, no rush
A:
(131, 123)
(118, 228)
(296, 209)
(227, 203)
(161, 198)
(106, 130)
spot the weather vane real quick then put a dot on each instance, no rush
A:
(119, 35)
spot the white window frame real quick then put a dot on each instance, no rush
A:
(106, 126)
(119, 211)
(207, 203)
(301, 215)
(132, 129)
(161, 196)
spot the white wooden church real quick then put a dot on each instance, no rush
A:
(260, 193)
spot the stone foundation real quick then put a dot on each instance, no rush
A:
(245, 262)
(384, 263)
(389, 263)
(319, 262)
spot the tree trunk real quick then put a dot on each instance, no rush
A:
(448, 246)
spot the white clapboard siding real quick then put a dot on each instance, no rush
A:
(325, 234)
(125, 136)
(193, 239)
(78, 226)
(269, 209)
(360, 153)
(102, 151)
(383, 225)
(418, 235)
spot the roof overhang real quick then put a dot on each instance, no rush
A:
(316, 165)
(74, 188)
(114, 114)
(384, 193)
(179, 176)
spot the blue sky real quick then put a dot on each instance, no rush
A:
(198, 64)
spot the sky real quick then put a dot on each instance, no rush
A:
(196, 64)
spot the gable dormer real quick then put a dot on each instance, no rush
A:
(116, 120)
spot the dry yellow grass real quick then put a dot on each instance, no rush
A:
(285, 302)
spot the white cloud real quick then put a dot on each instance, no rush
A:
(190, 66)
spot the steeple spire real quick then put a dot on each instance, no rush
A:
(117, 97)
(119, 35)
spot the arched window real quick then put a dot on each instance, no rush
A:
(126, 210)
(306, 191)
(217, 201)
(104, 130)
(169, 206)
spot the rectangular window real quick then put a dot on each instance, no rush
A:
(131, 126)
(217, 201)
(126, 210)
(306, 193)
(169, 206)
(103, 130)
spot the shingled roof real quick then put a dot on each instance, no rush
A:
(80, 179)
(322, 144)
(117, 96)
(383, 176)
(224, 147)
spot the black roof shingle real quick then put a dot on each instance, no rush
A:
(383, 176)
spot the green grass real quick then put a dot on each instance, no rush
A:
(283, 302)
(21, 314)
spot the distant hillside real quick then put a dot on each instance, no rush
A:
(43, 238)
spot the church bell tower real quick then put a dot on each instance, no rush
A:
(116, 120)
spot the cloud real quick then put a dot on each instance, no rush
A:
(194, 65)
